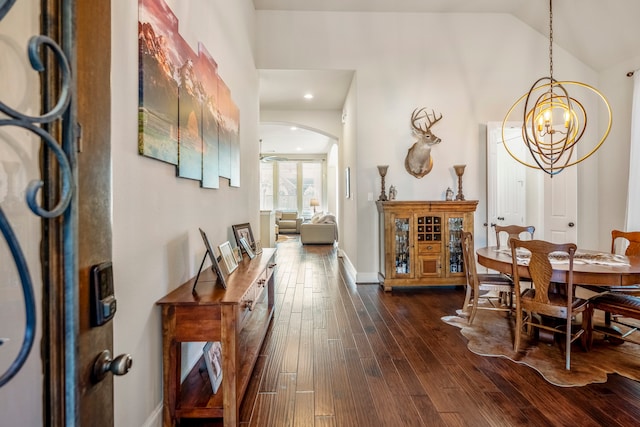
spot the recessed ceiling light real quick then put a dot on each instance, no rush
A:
(293, 128)
(298, 149)
(308, 96)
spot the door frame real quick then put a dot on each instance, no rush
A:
(59, 235)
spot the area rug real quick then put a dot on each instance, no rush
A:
(287, 238)
(492, 335)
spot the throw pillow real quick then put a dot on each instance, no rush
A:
(316, 217)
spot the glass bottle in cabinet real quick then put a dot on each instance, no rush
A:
(455, 227)
(402, 245)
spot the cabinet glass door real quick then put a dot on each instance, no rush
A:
(402, 253)
(454, 228)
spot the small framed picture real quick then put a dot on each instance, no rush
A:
(347, 183)
(237, 254)
(213, 359)
(214, 261)
(228, 260)
(258, 247)
(243, 230)
(247, 248)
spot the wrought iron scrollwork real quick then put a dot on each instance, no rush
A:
(5, 5)
(32, 124)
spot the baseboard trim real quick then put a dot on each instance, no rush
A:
(363, 278)
(360, 278)
(155, 419)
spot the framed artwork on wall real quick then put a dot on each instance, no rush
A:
(186, 114)
(347, 182)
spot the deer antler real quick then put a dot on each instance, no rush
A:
(416, 116)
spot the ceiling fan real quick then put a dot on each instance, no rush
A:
(270, 158)
(266, 158)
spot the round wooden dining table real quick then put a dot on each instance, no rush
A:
(583, 274)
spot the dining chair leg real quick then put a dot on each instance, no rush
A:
(467, 300)
(587, 326)
(516, 341)
(474, 309)
(567, 349)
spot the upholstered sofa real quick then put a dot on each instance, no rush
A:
(321, 230)
(288, 222)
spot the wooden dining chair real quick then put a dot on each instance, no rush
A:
(540, 300)
(630, 238)
(495, 289)
(619, 303)
(619, 308)
(513, 231)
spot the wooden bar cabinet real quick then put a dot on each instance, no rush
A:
(420, 242)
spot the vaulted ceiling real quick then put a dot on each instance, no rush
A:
(599, 33)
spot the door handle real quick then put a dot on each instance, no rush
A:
(571, 224)
(104, 364)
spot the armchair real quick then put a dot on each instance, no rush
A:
(288, 222)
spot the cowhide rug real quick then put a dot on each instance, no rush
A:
(492, 333)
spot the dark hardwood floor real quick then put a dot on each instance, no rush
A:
(341, 354)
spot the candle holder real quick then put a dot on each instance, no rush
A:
(459, 171)
(383, 172)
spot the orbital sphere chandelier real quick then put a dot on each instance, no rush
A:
(553, 121)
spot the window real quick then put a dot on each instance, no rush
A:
(290, 185)
(311, 186)
(287, 186)
(266, 186)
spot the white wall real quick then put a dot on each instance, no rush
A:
(614, 159)
(348, 159)
(156, 243)
(461, 65)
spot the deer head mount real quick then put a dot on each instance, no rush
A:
(418, 161)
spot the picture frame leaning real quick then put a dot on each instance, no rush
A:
(245, 245)
(244, 230)
(214, 262)
(228, 260)
(213, 359)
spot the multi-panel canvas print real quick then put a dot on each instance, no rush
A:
(187, 116)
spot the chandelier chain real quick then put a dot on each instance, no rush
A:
(551, 39)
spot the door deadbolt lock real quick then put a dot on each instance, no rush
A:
(104, 364)
(571, 224)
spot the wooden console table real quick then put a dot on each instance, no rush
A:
(238, 317)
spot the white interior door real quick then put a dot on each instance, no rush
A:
(517, 194)
(506, 179)
(561, 206)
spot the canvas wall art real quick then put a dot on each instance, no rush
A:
(187, 116)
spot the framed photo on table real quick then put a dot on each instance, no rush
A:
(244, 231)
(228, 260)
(213, 359)
(237, 254)
(245, 245)
(214, 262)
